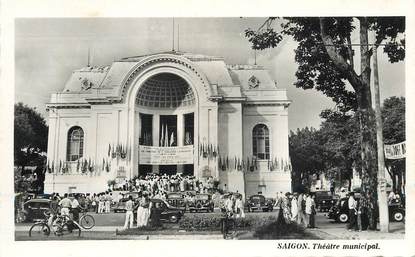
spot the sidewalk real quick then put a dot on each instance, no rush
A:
(396, 232)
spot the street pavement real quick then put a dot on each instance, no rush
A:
(106, 225)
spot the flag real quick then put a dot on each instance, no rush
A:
(171, 139)
(109, 150)
(227, 162)
(166, 137)
(107, 167)
(103, 163)
(162, 135)
(235, 163)
(60, 166)
(77, 165)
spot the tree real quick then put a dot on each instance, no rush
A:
(305, 154)
(393, 118)
(326, 63)
(340, 141)
(30, 136)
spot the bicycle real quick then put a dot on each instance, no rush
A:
(227, 224)
(61, 224)
(86, 221)
(41, 228)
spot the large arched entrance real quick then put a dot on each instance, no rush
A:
(166, 104)
(170, 93)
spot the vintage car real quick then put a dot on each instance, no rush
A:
(325, 200)
(34, 209)
(167, 212)
(177, 200)
(202, 202)
(258, 202)
(120, 206)
(340, 211)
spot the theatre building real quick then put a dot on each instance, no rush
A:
(169, 113)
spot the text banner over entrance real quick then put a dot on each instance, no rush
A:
(154, 155)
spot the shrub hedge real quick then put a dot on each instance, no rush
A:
(192, 222)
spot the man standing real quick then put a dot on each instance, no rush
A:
(65, 204)
(239, 207)
(101, 202)
(108, 200)
(75, 208)
(294, 207)
(301, 209)
(352, 211)
(129, 215)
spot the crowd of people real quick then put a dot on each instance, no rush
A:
(158, 184)
(297, 207)
(362, 213)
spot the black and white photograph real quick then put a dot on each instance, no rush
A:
(283, 129)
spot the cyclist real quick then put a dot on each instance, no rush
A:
(65, 204)
(54, 210)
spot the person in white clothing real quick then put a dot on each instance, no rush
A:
(129, 215)
(294, 207)
(108, 200)
(239, 207)
(65, 204)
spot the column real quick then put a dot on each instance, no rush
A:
(180, 137)
(156, 137)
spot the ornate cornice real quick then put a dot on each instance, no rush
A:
(284, 103)
(163, 58)
(67, 106)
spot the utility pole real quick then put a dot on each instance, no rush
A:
(381, 190)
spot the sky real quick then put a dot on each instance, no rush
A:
(48, 50)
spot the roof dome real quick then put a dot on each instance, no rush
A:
(165, 90)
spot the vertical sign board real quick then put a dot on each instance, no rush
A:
(154, 155)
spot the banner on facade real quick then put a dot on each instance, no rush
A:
(396, 151)
(121, 172)
(154, 155)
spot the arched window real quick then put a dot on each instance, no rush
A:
(260, 142)
(75, 144)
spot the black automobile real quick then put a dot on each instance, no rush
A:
(167, 212)
(202, 202)
(177, 200)
(325, 200)
(258, 202)
(35, 209)
(340, 211)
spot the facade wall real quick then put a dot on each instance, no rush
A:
(227, 124)
(231, 144)
(263, 180)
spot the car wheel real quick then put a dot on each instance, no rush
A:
(398, 216)
(249, 209)
(173, 219)
(343, 218)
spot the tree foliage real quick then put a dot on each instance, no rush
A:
(325, 58)
(305, 154)
(30, 136)
(334, 149)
